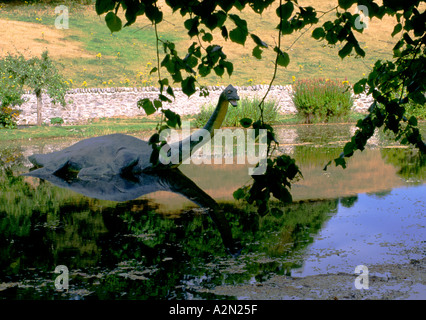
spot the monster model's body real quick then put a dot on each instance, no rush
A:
(119, 154)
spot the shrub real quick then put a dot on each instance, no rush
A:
(8, 117)
(56, 121)
(247, 108)
(319, 100)
(415, 109)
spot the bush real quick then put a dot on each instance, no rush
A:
(56, 121)
(320, 100)
(8, 117)
(415, 109)
(247, 108)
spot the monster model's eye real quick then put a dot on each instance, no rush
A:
(229, 91)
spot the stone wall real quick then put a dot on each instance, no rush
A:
(91, 103)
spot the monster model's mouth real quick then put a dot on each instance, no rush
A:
(233, 102)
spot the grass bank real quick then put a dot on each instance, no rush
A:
(125, 126)
(94, 128)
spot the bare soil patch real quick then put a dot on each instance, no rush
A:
(31, 39)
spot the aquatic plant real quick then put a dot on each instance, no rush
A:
(319, 100)
(247, 108)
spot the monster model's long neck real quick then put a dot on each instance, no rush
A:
(218, 115)
(197, 139)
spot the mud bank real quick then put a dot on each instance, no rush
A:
(405, 281)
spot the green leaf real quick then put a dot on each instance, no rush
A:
(113, 22)
(133, 9)
(283, 195)
(396, 29)
(155, 138)
(153, 70)
(240, 23)
(153, 13)
(238, 35)
(229, 67)
(318, 33)
(158, 104)
(224, 32)
(154, 156)
(340, 162)
(246, 122)
(147, 105)
(283, 59)
(163, 82)
(349, 148)
(259, 42)
(207, 37)
(345, 4)
(239, 194)
(170, 91)
(173, 118)
(347, 49)
(164, 98)
(359, 87)
(219, 70)
(203, 70)
(188, 86)
(103, 6)
(331, 37)
(359, 51)
(413, 121)
(257, 52)
(285, 10)
(326, 166)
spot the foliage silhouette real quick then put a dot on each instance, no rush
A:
(403, 74)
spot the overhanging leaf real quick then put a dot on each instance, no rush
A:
(283, 59)
(396, 29)
(257, 52)
(246, 122)
(103, 6)
(345, 4)
(188, 86)
(318, 33)
(147, 105)
(285, 10)
(113, 22)
(238, 35)
(257, 40)
(347, 49)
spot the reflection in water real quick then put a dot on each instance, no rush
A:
(118, 188)
(129, 250)
(380, 228)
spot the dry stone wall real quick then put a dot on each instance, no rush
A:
(91, 103)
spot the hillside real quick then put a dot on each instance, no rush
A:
(92, 57)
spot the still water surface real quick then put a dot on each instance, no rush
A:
(163, 246)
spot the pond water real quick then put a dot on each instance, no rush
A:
(163, 246)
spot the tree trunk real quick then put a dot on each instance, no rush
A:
(39, 107)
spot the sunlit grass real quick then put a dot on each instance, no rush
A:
(95, 128)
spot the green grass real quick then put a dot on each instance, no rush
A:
(96, 128)
(110, 60)
(247, 108)
(125, 126)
